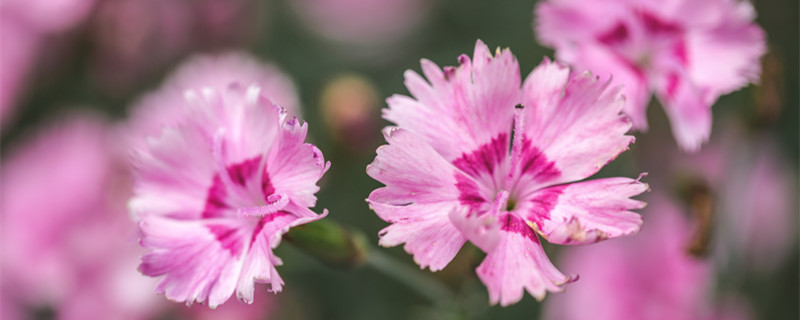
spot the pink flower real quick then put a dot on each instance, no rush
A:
(24, 28)
(363, 21)
(74, 251)
(646, 277)
(165, 106)
(450, 176)
(755, 207)
(134, 40)
(758, 209)
(216, 193)
(47, 16)
(688, 52)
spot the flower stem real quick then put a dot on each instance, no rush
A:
(424, 284)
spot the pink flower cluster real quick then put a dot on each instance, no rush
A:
(480, 156)
(477, 153)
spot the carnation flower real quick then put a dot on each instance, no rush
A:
(216, 193)
(477, 155)
(689, 52)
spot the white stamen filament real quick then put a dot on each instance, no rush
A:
(501, 201)
(516, 142)
(275, 204)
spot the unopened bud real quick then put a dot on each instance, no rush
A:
(330, 243)
(350, 110)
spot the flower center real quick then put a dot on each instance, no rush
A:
(512, 204)
(237, 192)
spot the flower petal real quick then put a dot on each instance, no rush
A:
(199, 260)
(726, 58)
(425, 229)
(586, 212)
(479, 93)
(259, 264)
(688, 108)
(581, 131)
(412, 171)
(294, 167)
(518, 263)
(173, 175)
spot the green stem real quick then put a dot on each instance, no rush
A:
(425, 285)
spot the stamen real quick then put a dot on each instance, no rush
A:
(516, 142)
(217, 150)
(500, 201)
(275, 204)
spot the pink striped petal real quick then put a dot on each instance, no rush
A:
(424, 228)
(295, 167)
(517, 264)
(412, 171)
(689, 110)
(587, 212)
(200, 261)
(582, 129)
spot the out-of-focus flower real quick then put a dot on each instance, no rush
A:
(216, 193)
(70, 252)
(646, 277)
(20, 47)
(350, 108)
(166, 106)
(451, 176)
(757, 210)
(362, 21)
(24, 26)
(47, 15)
(260, 309)
(134, 39)
(688, 52)
(754, 204)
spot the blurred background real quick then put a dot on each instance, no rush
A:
(720, 233)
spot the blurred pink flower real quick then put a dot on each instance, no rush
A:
(24, 26)
(689, 52)
(69, 252)
(216, 193)
(165, 106)
(755, 207)
(362, 21)
(758, 212)
(450, 177)
(135, 39)
(646, 277)
(47, 16)
(259, 310)
(20, 47)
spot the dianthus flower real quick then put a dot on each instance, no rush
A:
(216, 193)
(689, 52)
(477, 155)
